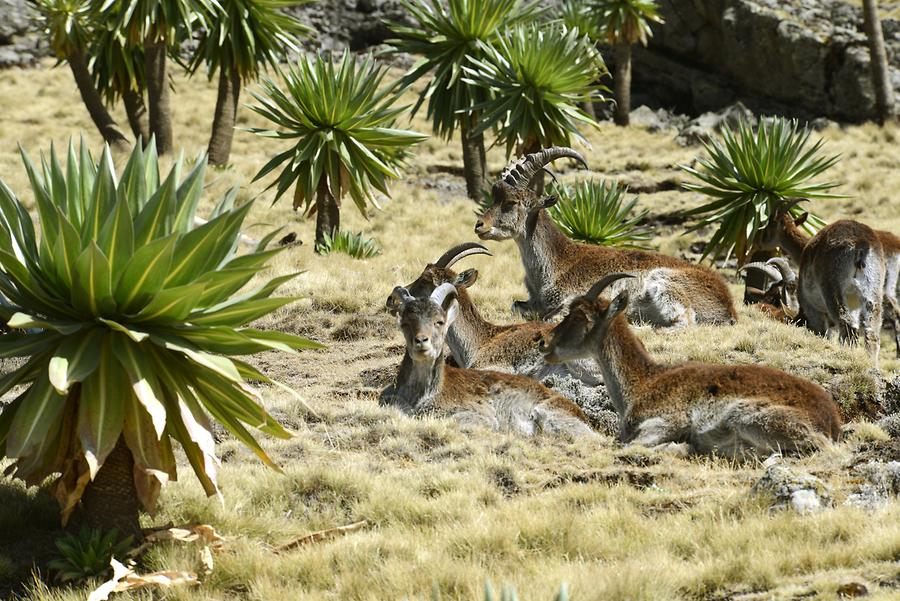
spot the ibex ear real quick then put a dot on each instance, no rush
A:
(801, 219)
(549, 202)
(466, 278)
(617, 305)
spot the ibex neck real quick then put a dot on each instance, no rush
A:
(542, 247)
(624, 362)
(793, 241)
(469, 332)
(419, 383)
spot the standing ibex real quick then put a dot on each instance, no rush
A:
(473, 340)
(495, 400)
(668, 292)
(842, 276)
(726, 409)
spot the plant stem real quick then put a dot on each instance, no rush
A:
(474, 157)
(158, 95)
(328, 215)
(622, 84)
(109, 129)
(219, 149)
(111, 500)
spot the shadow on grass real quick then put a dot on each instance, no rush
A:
(29, 525)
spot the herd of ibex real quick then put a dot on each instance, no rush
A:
(845, 274)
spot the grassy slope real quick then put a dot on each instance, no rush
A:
(455, 508)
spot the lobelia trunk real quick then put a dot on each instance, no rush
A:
(158, 95)
(109, 129)
(588, 107)
(328, 215)
(622, 84)
(110, 500)
(881, 75)
(474, 158)
(219, 149)
(137, 115)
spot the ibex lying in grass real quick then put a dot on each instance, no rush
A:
(496, 400)
(842, 276)
(725, 409)
(668, 292)
(891, 246)
(474, 341)
(779, 298)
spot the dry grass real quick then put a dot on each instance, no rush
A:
(451, 508)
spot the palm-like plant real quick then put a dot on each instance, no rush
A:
(597, 212)
(578, 14)
(750, 175)
(156, 26)
(131, 320)
(118, 72)
(341, 121)
(625, 23)
(67, 25)
(537, 78)
(243, 36)
(446, 35)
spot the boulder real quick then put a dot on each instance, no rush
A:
(790, 489)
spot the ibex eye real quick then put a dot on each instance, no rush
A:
(440, 323)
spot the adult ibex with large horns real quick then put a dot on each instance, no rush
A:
(667, 292)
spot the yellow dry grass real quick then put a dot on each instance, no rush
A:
(451, 509)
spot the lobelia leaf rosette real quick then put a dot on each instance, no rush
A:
(129, 320)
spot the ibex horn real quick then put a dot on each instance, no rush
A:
(786, 205)
(771, 272)
(441, 292)
(604, 283)
(461, 251)
(784, 268)
(520, 171)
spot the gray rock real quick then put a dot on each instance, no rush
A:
(15, 20)
(706, 125)
(593, 400)
(789, 489)
(881, 483)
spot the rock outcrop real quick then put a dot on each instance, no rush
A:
(806, 57)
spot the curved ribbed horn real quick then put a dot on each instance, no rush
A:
(784, 268)
(786, 205)
(520, 171)
(441, 292)
(771, 272)
(461, 251)
(604, 283)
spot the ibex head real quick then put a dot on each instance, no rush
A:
(781, 285)
(513, 199)
(425, 321)
(438, 273)
(586, 323)
(780, 225)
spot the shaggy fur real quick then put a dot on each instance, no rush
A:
(725, 409)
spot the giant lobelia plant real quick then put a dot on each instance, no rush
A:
(129, 321)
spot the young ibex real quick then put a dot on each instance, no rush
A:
(668, 292)
(474, 341)
(841, 276)
(473, 397)
(779, 298)
(725, 409)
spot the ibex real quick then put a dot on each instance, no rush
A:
(473, 397)
(726, 409)
(474, 341)
(779, 298)
(841, 276)
(891, 246)
(668, 292)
